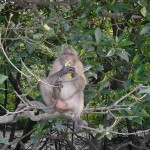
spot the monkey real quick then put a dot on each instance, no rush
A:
(67, 94)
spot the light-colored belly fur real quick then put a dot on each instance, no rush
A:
(68, 90)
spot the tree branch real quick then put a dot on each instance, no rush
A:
(29, 111)
(25, 3)
(117, 16)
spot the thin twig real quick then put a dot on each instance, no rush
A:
(135, 89)
(16, 140)
(134, 133)
(20, 98)
(11, 62)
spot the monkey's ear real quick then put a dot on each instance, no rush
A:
(64, 46)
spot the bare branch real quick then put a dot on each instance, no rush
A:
(15, 141)
(135, 89)
(24, 110)
(117, 16)
(130, 143)
(25, 3)
(114, 16)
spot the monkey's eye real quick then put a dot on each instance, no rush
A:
(64, 53)
(71, 54)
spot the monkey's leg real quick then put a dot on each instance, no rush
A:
(79, 123)
(76, 103)
(47, 94)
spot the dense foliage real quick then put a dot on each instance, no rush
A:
(112, 37)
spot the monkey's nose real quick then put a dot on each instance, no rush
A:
(68, 59)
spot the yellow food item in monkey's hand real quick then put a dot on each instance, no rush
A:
(69, 75)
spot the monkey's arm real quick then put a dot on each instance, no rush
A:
(53, 78)
(80, 82)
(51, 97)
(51, 94)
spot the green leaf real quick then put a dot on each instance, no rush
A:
(145, 90)
(120, 38)
(92, 74)
(63, 117)
(115, 7)
(143, 11)
(97, 66)
(85, 14)
(37, 36)
(136, 59)
(142, 3)
(145, 104)
(124, 55)
(100, 51)
(46, 27)
(127, 83)
(106, 42)
(34, 138)
(109, 116)
(137, 120)
(17, 43)
(20, 55)
(2, 6)
(66, 26)
(89, 94)
(109, 136)
(2, 78)
(110, 53)
(148, 16)
(145, 30)
(143, 114)
(137, 108)
(58, 125)
(29, 48)
(124, 113)
(3, 140)
(104, 84)
(98, 34)
(144, 78)
(101, 127)
(140, 69)
(99, 9)
(125, 43)
(90, 54)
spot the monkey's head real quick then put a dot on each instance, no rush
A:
(68, 55)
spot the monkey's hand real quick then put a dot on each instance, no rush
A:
(79, 123)
(57, 89)
(58, 84)
(66, 70)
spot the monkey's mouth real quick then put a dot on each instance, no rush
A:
(67, 64)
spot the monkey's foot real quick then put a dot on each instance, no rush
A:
(79, 123)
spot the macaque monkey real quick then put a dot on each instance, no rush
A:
(67, 76)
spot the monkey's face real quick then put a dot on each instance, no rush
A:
(68, 55)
